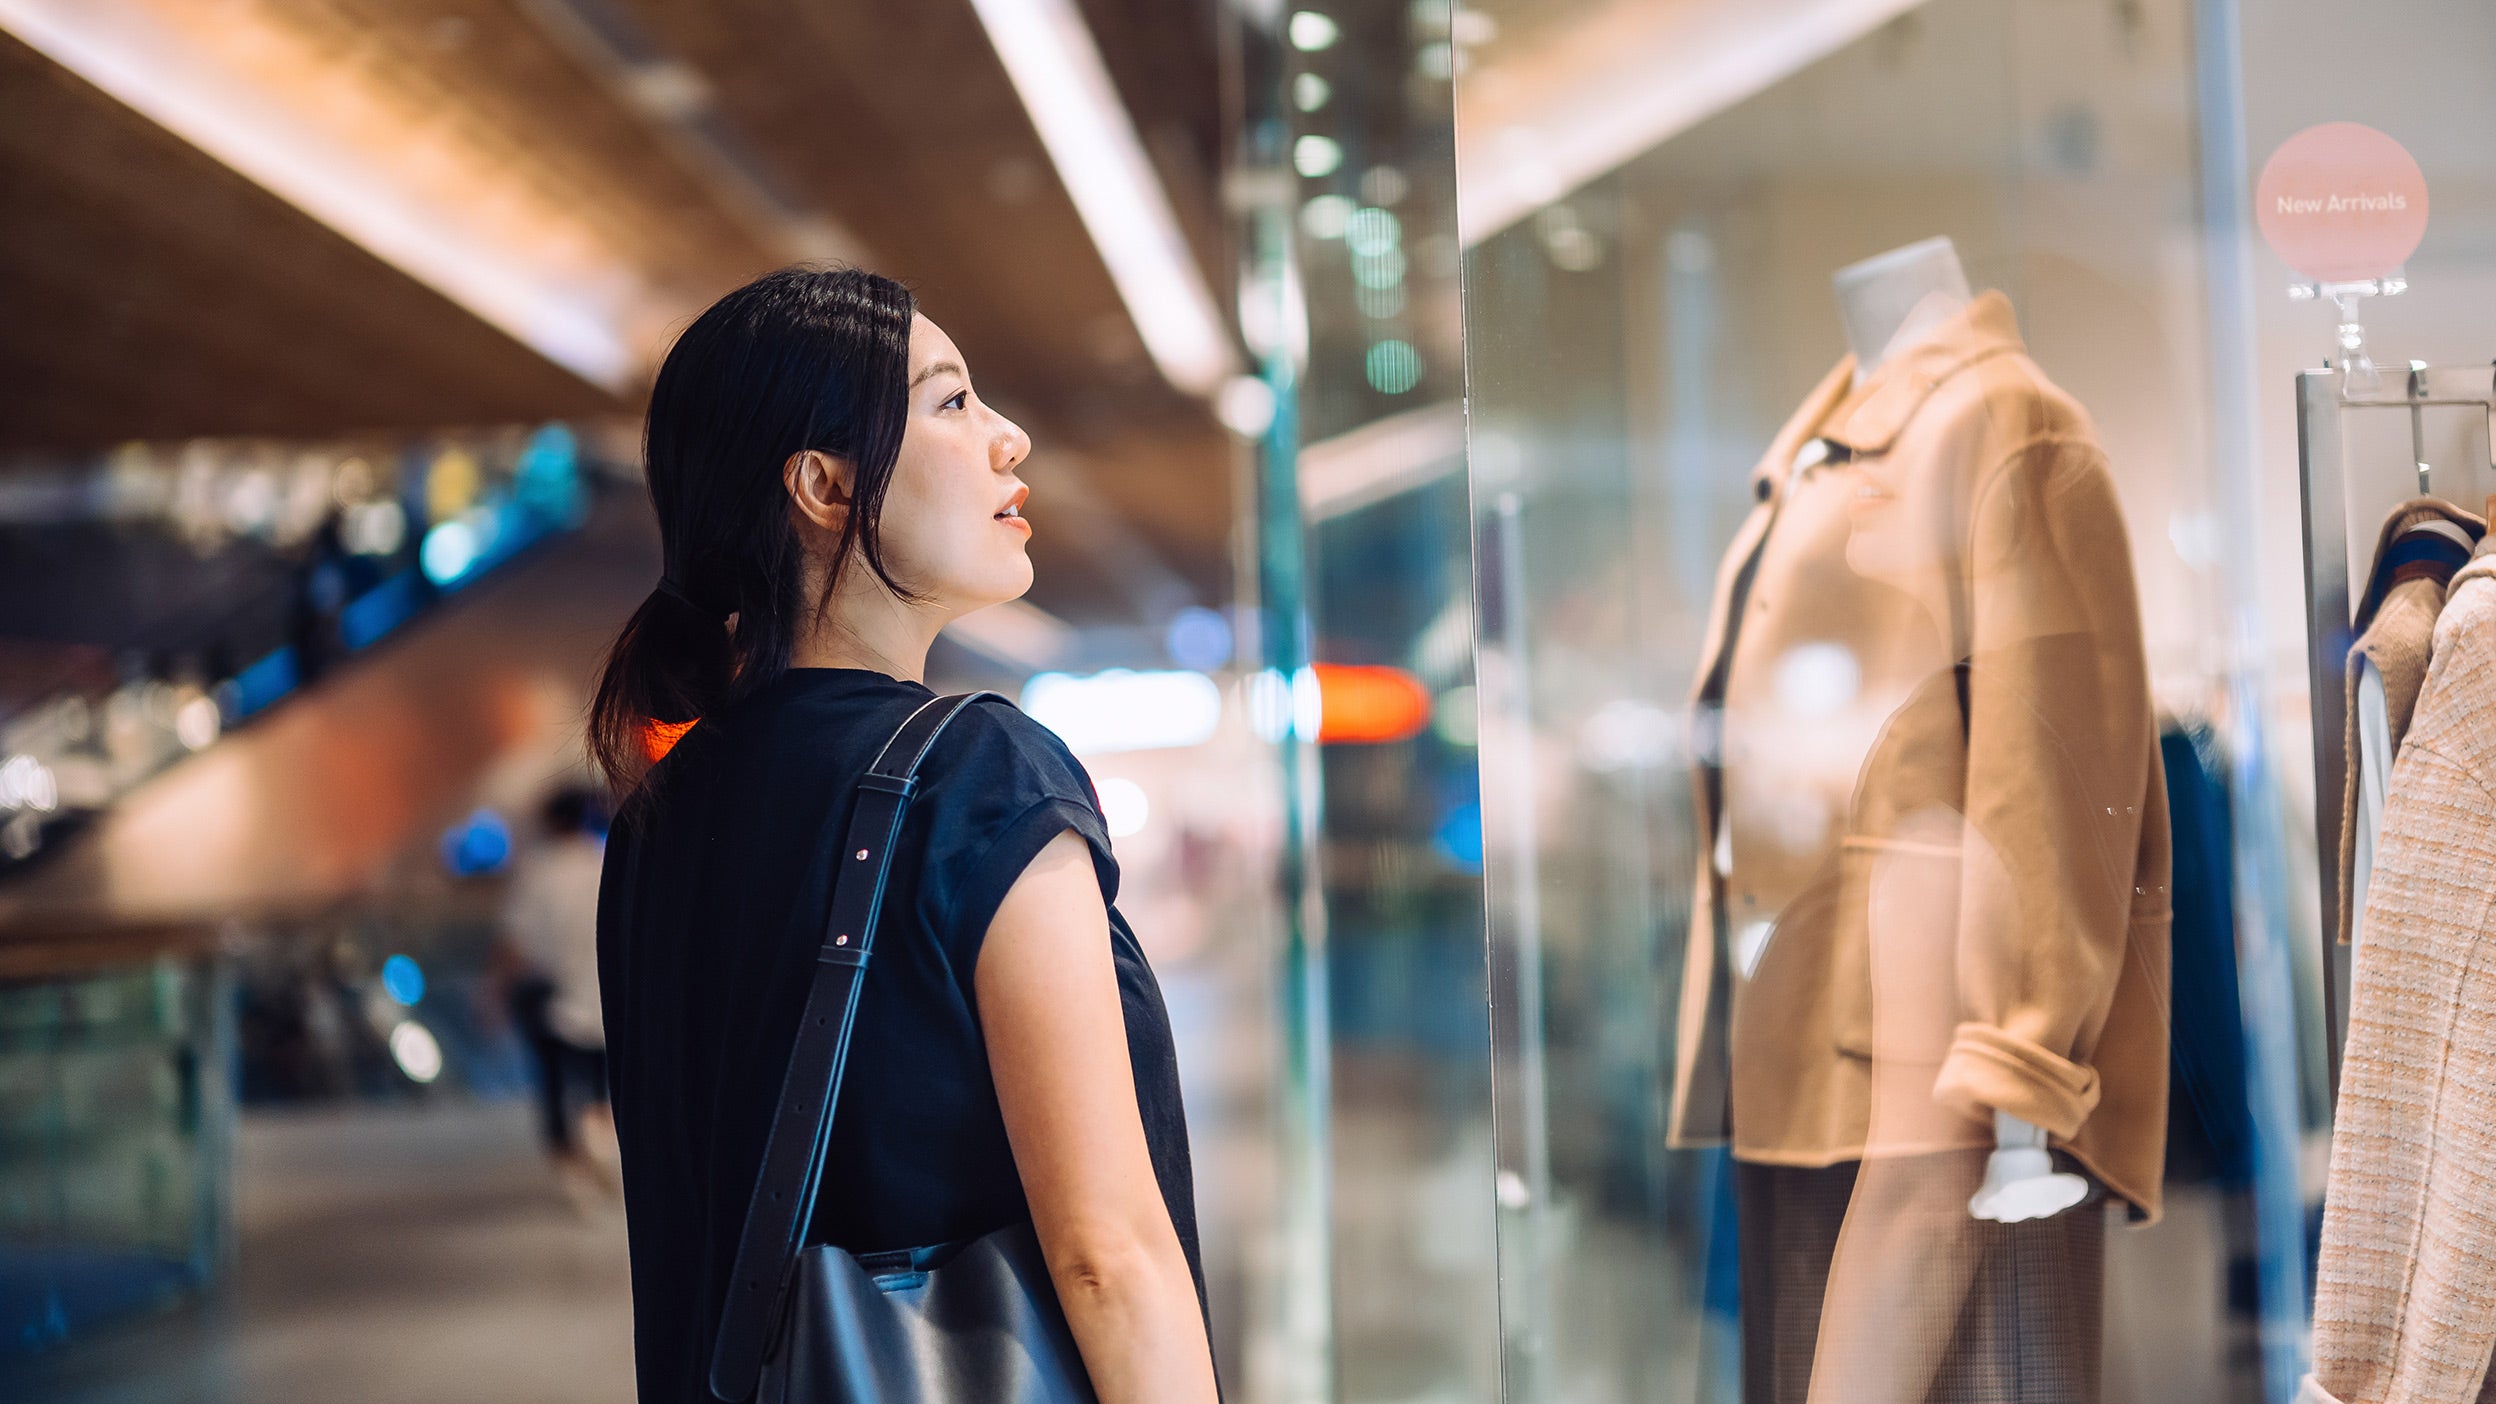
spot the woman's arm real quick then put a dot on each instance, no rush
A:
(1057, 1047)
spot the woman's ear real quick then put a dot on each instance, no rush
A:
(819, 487)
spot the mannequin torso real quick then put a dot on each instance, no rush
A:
(1889, 303)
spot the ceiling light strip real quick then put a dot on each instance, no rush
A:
(126, 53)
(1548, 127)
(1057, 71)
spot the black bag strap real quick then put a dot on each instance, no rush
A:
(792, 1169)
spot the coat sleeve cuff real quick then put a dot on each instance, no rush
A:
(1989, 1071)
(2310, 1391)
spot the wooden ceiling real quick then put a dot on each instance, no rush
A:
(153, 293)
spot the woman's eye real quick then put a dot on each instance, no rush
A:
(960, 399)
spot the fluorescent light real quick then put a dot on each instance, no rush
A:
(151, 66)
(1125, 711)
(1531, 127)
(1049, 55)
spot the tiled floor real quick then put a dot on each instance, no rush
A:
(385, 1254)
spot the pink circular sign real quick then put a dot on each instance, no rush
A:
(2342, 202)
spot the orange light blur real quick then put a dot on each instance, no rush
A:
(1366, 705)
(659, 738)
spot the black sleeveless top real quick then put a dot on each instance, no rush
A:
(708, 919)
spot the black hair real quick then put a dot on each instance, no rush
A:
(804, 358)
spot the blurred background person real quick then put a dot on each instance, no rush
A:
(549, 953)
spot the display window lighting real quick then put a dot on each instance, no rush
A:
(1057, 71)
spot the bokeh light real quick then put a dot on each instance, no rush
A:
(1393, 367)
(1316, 156)
(1124, 807)
(403, 979)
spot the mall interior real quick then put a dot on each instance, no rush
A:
(1685, 867)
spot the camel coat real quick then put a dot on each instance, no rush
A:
(2405, 1288)
(1934, 866)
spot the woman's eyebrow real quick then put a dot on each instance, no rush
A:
(934, 369)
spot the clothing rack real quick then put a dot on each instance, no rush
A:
(2338, 494)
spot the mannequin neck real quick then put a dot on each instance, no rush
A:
(1892, 301)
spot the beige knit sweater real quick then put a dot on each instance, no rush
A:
(2400, 628)
(2405, 1297)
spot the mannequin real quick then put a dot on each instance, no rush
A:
(1933, 877)
(1889, 303)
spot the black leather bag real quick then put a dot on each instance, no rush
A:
(955, 1322)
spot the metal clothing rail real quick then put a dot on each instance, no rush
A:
(2338, 493)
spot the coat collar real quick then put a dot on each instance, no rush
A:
(1806, 425)
(1869, 419)
(2410, 514)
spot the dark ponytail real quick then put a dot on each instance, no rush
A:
(804, 358)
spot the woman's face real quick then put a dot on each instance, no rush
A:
(952, 527)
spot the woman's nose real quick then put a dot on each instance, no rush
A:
(1011, 446)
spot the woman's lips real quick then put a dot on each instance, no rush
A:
(1012, 513)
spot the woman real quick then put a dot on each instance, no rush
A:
(830, 493)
